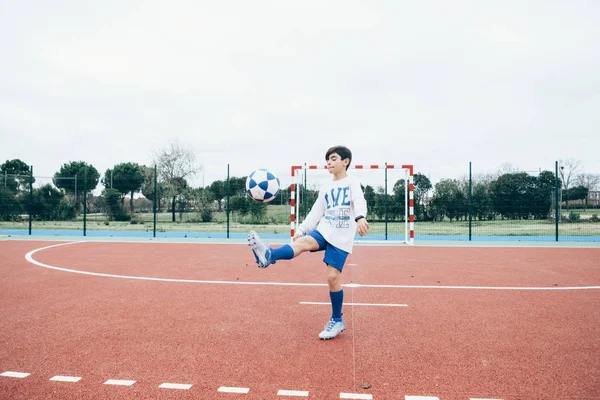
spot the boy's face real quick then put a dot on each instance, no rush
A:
(335, 164)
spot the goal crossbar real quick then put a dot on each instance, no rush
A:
(409, 218)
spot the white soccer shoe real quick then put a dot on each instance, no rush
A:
(332, 329)
(262, 253)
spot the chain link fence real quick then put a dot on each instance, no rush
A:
(515, 205)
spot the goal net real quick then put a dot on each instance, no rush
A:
(388, 190)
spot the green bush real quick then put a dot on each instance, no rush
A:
(206, 214)
(122, 217)
(574, 216)
(594, 218)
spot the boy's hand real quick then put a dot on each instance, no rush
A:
(363, 226)
(297, 236)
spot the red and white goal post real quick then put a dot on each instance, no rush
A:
(298, 172)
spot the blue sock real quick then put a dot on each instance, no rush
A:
(284, 252)
(337, 298)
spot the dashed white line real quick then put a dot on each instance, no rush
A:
(180, 386)
(119, 382)
(12, 374)
(61, 378)
(297, 393)
(356, 304)
(360, 396)
(230, 389)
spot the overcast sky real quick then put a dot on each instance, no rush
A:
(274, 83)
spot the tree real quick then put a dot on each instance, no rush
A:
(448, 200)
(396, 209)
(481, 202)
(576, 193)
(507, 168)
(10, 206)
(15, 175)
(175, 163)
(542, 199)
(219, 191)
(148, 187)
(71, 178)
(369, 193)
(513, 195)
(112, 204)
(589, 181)
(204, 199)
(568, 170)
(126, 178)
(258, 210)
(44, 204)
(422, 185)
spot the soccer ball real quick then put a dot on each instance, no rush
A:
(262, 185)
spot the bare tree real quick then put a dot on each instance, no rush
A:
(507, 168)
(589, 181)
(176, 163)
(568, 170)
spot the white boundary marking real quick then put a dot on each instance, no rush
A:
(356, 396)
(296, 393)
(181, 386)
(119, 382)
(61, 378)
(229, 389)
(29, 258)
(472, 398)
(420, 398)
(354, 304)
(12, 374)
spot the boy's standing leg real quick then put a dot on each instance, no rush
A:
(334, 259)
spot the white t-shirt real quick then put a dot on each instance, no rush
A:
(333, 213)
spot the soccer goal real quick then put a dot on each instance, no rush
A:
(391, 218)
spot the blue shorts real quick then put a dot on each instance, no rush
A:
(333, 256)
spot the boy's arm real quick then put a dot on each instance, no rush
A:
(358, 198)
(314, 216)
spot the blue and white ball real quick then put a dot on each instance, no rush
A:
(262, 185)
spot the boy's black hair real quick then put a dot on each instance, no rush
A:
(342, 151)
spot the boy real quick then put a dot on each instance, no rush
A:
(337, 213)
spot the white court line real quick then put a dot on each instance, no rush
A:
(420, 398)
(355, 304)
(12, 374)
(297, 393)
(229, 389)
(61, 378)
(119, 382)
(360, 396)
(181, 386)
(29, 258)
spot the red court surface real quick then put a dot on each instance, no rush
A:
(422, 323)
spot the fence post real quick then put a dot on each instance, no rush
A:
(556, 205)
(84, 200)
(385, 202)
(30, 196)
(228, 191)
(155, 200)
(470, 200)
